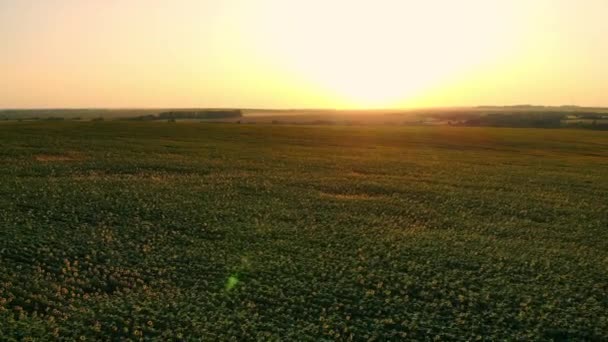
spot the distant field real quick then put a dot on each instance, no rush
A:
(183, 231)
(489, 116)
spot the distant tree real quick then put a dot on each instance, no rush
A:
(205, 114)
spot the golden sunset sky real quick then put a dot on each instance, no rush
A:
(302, 53)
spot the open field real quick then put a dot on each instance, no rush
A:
(189, 231)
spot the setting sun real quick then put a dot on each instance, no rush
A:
(367, 54)
(302, 54)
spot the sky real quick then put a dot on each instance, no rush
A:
(302, 53)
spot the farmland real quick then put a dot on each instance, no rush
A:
(183, 231)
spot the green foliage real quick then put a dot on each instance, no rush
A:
(201, 114)
(172, 116)
(538, 120)
(143, 230)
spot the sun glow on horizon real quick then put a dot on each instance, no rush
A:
(379, 54)
(302, 54)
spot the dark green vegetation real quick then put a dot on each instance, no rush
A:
(187, 114)
(134, 230)
(549, 119)
(107, 113)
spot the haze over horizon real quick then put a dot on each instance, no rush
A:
(302, 54)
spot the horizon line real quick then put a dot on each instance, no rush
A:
(522, 106)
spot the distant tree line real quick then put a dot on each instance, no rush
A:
(205, 114)
(199, 114)
(540, 120)
(537, 119)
